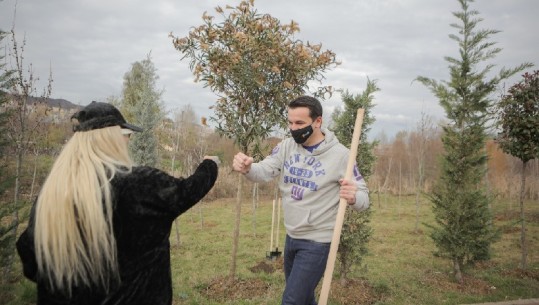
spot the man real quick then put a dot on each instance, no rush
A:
(311, 167)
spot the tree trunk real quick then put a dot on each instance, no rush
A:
(417, 196)
(257, 195)
(388, 175)
(536, 162)
(15, 218)
(34, 176)
(255, 198)
(522, 220)
(510, 187)
(177, 232)
(378, 195)
(236, 239)
(456, 269)
(201, 215)
(188, 166)
(411, 180)
(345, 267)
(487, 184)
(400, 187)
(16, 194)
(420, 188)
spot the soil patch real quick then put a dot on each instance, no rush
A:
(507, 216)
(523, 274)
(530, 216)
(485, 265)
(533, 217)
(511, 230)
(355, 292)
(222, 289)
(470, 285)
(268, 266)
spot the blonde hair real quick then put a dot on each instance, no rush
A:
(74, 238)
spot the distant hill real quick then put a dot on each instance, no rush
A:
(56, 103)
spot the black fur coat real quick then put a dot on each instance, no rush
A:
(146, 202)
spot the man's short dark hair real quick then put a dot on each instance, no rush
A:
(315, 108)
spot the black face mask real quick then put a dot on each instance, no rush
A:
(301, 135)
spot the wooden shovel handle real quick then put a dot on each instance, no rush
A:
(328, 274)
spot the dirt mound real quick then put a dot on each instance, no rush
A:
(521, 273)
(470, 285)
(355, 292)
(268, 266)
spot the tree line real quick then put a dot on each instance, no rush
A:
(401, 161)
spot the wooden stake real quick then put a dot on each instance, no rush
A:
(278, 222)
(328, 274)
(272, 225)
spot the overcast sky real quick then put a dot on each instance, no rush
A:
(91, 44)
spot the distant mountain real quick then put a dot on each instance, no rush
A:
(53, 102)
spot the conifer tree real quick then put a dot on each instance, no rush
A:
(356, 230)
(141, 104)
(464, 231)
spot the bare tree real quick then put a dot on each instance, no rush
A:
(22, 125)
(422, 132)
(181, 129)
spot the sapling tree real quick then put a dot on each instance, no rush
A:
(464, 231)
(21, 129)
(421, 137)
(255, 66)
(518, 120)
(356, 230)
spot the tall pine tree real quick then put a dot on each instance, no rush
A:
(356, 230)
(464, 231)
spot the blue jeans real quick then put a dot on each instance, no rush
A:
(304, 266)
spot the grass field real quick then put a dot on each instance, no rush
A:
(400, 269)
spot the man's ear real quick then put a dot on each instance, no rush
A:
(319, 122)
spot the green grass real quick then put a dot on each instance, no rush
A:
(400, 267)
(404, 260)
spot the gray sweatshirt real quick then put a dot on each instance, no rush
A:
(309, 185)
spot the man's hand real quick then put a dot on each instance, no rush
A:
(242, 163)
(348, 191)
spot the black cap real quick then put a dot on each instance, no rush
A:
(100, 115)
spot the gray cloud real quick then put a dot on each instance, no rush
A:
(91, 44)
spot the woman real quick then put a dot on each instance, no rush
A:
(99, 230)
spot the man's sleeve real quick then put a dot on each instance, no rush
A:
(268, 168)
(362, 193)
